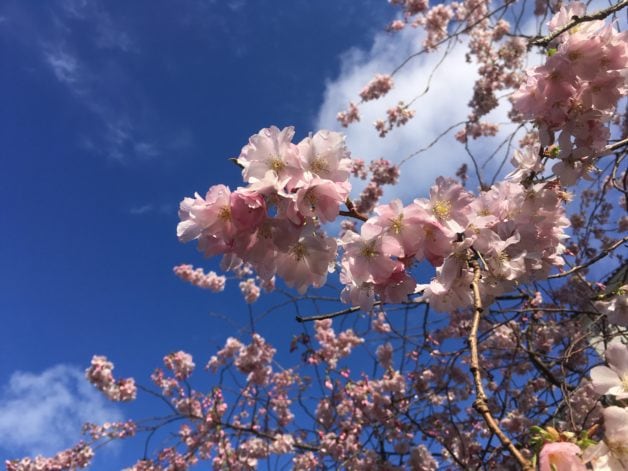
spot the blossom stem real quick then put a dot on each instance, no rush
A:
(352, 212)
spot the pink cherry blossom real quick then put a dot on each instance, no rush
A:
(198, 277)
(325, 155)
(180, 363)
(613, 379)
(100, 374)
(376, 88)
(79, 456)
(611, 454)
(247, 208)
(321, 199)
(250, 290)
(270, 150)
(211, 214)
(561, 456)
(616, 309)
(307, 261)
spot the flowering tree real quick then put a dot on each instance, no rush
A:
(494, 322)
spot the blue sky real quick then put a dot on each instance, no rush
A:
(112, 112)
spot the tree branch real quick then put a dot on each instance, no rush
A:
(576, 20)
(352, 212)
(599, 256)
(481, 403)
(331, 315)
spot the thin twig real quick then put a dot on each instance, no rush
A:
(599, 256)
(352, 212)
(415, 153)
(611, 147)
(331, 315)
(576, 20)
(349, 310)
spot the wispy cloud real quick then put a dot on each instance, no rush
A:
(64, 66)
(43, 413)
(166, 208)
(85, 46)
(108, 35)
(450, 89)
(144, 209)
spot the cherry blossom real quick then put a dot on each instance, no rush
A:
(561, 456)
(611, 454)
(613, 379)
(100, 374)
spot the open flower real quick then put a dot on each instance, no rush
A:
(611, 454)
(612, 379)
(560, 456)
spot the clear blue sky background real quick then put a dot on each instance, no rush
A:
(110, 113)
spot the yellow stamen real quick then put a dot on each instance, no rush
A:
(396, 225)
(225, 213)
(369, 251)
(276, 164)
(319, 165)
(441, 209)
(484, 212)
(299, 251)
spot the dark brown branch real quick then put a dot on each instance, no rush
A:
(330, 315)
(352, 212)
(349, 310)
(576, 20)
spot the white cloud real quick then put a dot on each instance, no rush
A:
(43, 413)
(450, 90)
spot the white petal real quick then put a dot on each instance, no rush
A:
(604, 379)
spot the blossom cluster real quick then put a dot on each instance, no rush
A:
(274, 223)
(351, 115)
(79, 456)
(198, 277)
(180, 363)
(396, 116)
(516, 233)
(383, 172)
(379, 86)
(573, 95)
(100, 374)
(110, 430)
(256, 433)
(251, 287)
